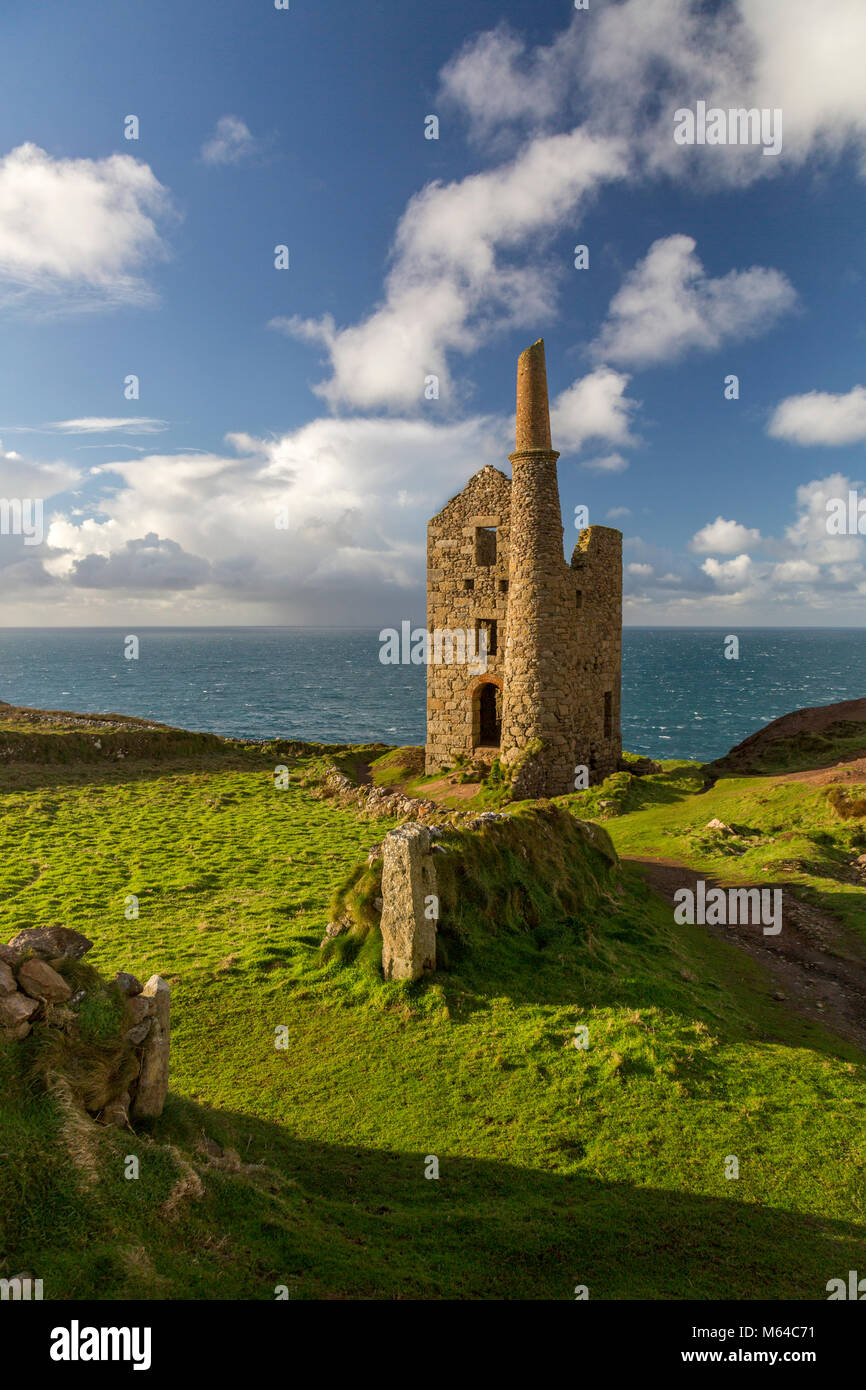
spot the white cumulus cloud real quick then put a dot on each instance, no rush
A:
(721, 537)
(627, 67)
(594, 407)
(457, 276)
(668, 305)
(728, 573)
(819, 417)
(81, 228)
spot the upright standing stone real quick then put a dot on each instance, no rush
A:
(409, 903)
(153, 1078)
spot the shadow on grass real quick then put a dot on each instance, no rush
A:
(348, 1221)
(351, 1222)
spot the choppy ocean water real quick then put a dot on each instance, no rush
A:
(681, 697)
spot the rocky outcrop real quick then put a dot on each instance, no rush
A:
(35, 993)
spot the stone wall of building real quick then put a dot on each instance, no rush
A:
(557, 663)
(597, 569)
(464, 589)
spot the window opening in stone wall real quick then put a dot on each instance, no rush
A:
(579, 597)
(469, 585)
(485, 546)
(486, 626)
(503, 586)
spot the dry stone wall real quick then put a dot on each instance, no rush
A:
(34, 994)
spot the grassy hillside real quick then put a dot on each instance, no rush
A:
(305, 1167)
(789, 832)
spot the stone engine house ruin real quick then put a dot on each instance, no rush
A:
(548, 701)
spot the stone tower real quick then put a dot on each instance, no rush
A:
(547, 700)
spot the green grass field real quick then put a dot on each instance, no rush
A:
(784, 832)
(558, 1166)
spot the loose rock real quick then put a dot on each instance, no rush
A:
(137, 1034)
(15, 1012)
(140, 1007)
(37, 979)
(51, 943)
(128, 983)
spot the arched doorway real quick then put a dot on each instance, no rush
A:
(489, 721)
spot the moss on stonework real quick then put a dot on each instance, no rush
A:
(531, 750)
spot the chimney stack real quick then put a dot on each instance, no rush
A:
(533, 410)
(536, 694)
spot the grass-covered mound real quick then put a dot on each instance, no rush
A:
(398, 766)
(535, 873)
(558, 1165)
(538, 873)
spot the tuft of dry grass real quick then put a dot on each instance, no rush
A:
(79, 1132)
(189, 1186)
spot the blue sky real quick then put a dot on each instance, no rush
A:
(299, 394)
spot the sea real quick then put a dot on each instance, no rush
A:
(682, 696)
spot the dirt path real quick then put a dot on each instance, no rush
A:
(817, 968)
(445, 790)
(853, 771)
